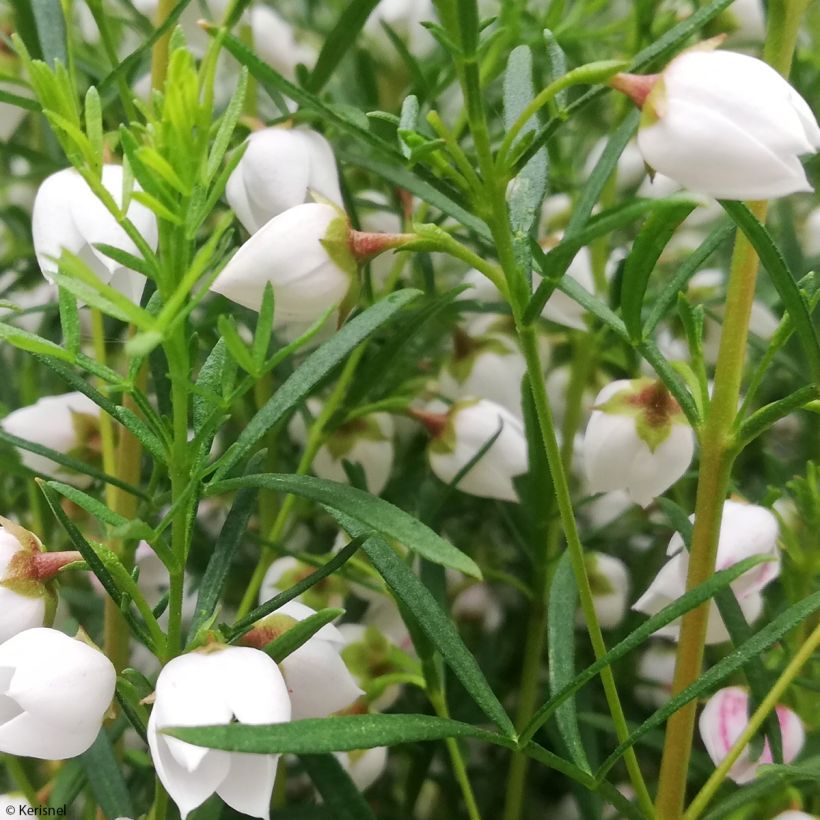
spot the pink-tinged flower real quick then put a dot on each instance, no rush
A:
(218, 685)
(746, 530)
(68, 216)
(68, 423)
(656, 671)
(54, 693)
(637, 439)
(281, 168)
(724, 124)
(723, 720)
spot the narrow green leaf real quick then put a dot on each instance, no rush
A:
(338, 791)
(762, 640)
(341, 733)
(105, 778)
(315, 368)
(69, 322)
(368, 510)
(93, 124)
(235, 344)
(665, 301)
(227, 543)
(690, 600)
(646, 250)
(69, 461)
(337, 561)
(300, 633)
(415, 596)
(762, 419)
(264, 328)
(339, 41)
(32, 343)
(774, 263)
(50, 30)
(227, 126)
(563, 603)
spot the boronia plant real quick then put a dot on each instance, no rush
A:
(409, 409)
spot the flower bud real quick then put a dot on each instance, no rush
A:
(724, 719)
(459, 437)
(26, 598)
(281, 168)
(723, 124)
(68, 216)
(318, 681)
(55, 691)
(637, 440)
(217, 685)
(609, 580)
(745, 530)
(68, 423)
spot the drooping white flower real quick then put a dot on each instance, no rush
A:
(609, 579)
(54, 693)
(366, 441)
(468, 427)
(478, 603)
(304, 254)
(560, 308)
(68, 216)
(217, 686)
(723, 720)
(281, 168)
(68, 423)
(490, 366)
(284, 572)
(318, 681)
(26, 601)
(656, 671)
(748, 20)
(405, 17)
(275, 41)
(746, 530)
(631, 168)
(364, 766)
(795, 815)
(637, 439)
(724, 124)
(811, 233)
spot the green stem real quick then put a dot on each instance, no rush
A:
(718, 452)
(315, 440)
(439, 703)
(159, 57)
(767, 705)
(21, 778)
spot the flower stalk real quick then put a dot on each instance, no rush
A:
(718, 452)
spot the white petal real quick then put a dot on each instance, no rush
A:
(318, 680)
(28, 736)
(249, 783)
(20, 612)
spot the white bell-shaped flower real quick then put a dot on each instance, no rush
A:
(281, 168)
(609, 579)
(656, 671)
(560, 308)
(811, 233)
(304, 254)
(68, 216)
(723, 720)
(405, 17)
(54, 693)
(366, 441)
(724, 124)
(637, 439)
(469, 426)
(25, 599)
(68, 423)
(490, 366)
(795, 815)
(275, 41)
(317, 679)
(364, 766)
(218, 685)
(745, 530)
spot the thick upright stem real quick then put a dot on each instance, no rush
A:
(717, 456)
(159, 57)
